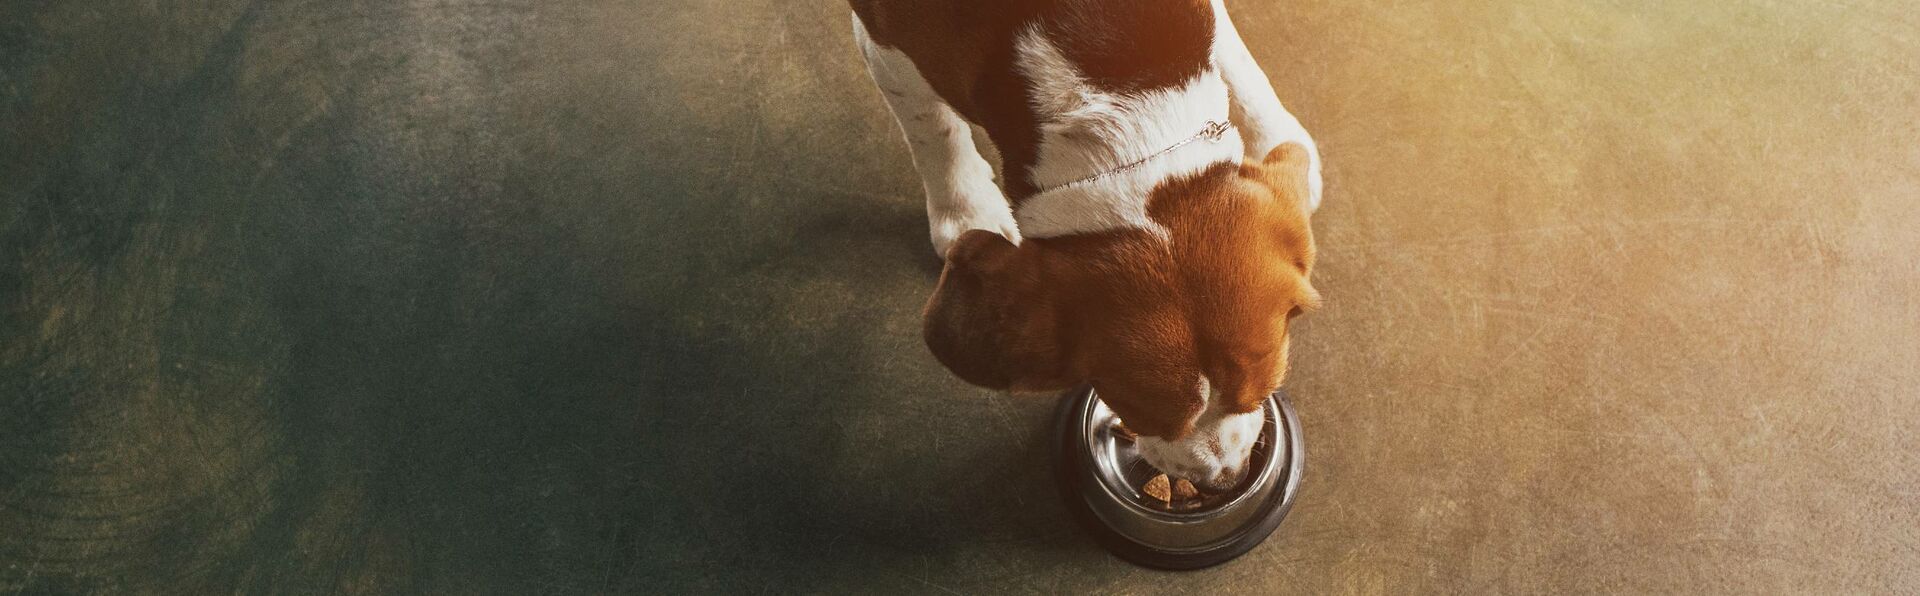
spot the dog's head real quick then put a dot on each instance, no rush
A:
(1182, 333)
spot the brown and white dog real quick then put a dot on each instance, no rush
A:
(1139, 243)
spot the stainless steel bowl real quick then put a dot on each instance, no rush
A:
(1101, 473)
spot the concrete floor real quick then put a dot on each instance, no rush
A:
(527, 296)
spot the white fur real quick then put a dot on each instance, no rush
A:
(1215, 454)
(1085, 131)
(961, 194)
(1256, 110)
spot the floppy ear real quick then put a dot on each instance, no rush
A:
(992, 320)
(1284, 169)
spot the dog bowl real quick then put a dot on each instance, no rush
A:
(1101, 473)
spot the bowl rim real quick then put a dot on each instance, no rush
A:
(1070, 464)
(1270, 415)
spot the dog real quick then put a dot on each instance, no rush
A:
(1150, 234)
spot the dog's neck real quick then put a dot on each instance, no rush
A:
(1101, 153)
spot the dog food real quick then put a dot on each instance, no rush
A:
(1158, 488)
(1176, 494)
(1184, 491)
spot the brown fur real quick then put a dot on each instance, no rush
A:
(965, 51)
(1139, 317)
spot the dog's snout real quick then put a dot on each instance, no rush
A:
(1225, 481)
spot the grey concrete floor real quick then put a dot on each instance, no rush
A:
(622, 296)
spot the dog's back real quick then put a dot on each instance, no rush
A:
(967, 51)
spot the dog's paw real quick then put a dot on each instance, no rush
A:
(948, 224)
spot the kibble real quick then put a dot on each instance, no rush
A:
(1176, 494)
(1158, 488)
(1183, 490)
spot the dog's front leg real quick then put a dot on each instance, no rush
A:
(1263, 122)
(961, 194)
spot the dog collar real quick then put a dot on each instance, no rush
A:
(1214, 131)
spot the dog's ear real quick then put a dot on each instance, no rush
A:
(993, 319)
(1285, 170)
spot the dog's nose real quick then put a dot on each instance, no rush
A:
(1225, 481)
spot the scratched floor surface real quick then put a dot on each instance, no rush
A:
(526, 296)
